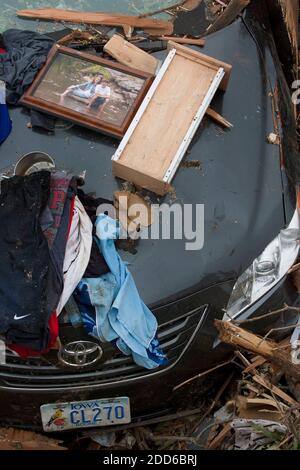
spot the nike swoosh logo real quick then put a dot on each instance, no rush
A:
(20, 318)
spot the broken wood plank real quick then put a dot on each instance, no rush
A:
(276, 390)
(218, 118)
(132, 208)
(74, 36)
(282, 358)
(290, 10)
(218, 440)
(234, 8)
(180, 40)
(258, 408)
(253, 390)
(111, 19)
(128, 30)
(233, 334)
(258, 362)
(284, 18)
(130, 55)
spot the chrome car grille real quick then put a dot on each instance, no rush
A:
(174, 336)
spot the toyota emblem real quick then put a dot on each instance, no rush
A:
(80, 353)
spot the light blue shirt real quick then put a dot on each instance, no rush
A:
(121, 316)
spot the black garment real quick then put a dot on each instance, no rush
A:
(97, 264)
(2, 46)
(91, 203)
(42, 120)
(26, 54)
(26, 269)
(98, 102)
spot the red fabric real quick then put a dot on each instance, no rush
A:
(2, 51)
(52, 324)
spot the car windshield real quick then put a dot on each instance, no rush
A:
(8, 18)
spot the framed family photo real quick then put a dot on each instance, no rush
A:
(91, 91)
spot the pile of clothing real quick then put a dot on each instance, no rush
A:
(56, 253)
(22, 55)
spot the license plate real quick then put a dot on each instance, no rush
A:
(85, 414)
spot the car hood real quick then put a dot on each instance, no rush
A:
(239, 180)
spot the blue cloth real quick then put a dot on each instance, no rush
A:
(121, 316)
(73, 312)
(5, 122)
(94, 297)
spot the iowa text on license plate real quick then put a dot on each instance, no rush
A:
(85, 414)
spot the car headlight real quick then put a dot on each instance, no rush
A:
(266, 270)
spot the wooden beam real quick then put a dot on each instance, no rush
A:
(111, 19)
(74, 36)
(290, 10)
(130, 55)
(276, 390)
(218, 440)
(234, 8)
(234, 335)
(192, 41)
(218, 118)
(284, 18)
(284, 15)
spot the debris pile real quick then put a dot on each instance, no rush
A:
(264, 410)
(102, 76)
(256, 407)
(15, 439)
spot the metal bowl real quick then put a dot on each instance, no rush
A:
(32, 162)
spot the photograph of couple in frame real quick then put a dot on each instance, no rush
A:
(97, 93)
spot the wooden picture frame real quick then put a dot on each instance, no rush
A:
(103, 96)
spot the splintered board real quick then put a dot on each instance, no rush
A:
(168, 118)
(131, 55)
